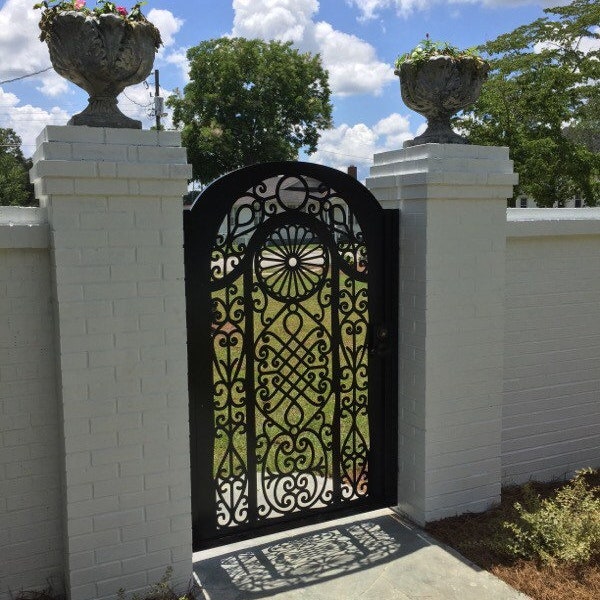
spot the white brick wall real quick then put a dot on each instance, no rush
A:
(31, 547)
(478, 352)
(452, 201)
(115, 215)
(551, 413)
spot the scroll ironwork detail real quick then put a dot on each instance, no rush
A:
(290, 301)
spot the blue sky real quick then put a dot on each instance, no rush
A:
(358, 41)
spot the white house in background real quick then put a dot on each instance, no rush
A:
(525, 202)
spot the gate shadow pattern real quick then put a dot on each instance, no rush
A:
(307, 559)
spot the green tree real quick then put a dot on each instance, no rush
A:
(250, 101)
(15, 189)
(586, 130)
(541, 99)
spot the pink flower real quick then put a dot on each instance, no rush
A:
(122, 11)
(79, 4)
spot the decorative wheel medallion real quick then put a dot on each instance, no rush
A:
(292, 263)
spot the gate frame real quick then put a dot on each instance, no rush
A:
(197, 257)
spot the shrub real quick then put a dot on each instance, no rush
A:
(563, 529)
(162, 590)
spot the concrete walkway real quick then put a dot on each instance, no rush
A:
(375, 556)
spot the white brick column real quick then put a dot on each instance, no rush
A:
(115, 215)
(452, 200)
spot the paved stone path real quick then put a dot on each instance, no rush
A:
(375, 556)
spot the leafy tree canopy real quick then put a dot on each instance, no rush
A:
(15, 189)
(250, 101)
(542, 100)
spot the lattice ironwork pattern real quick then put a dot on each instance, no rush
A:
(290, 301)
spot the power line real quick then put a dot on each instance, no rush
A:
(136, 103)
(24, 76)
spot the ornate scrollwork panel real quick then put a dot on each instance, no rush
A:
(354, 397)
(293, 375)
(290, 359)
(230, 407)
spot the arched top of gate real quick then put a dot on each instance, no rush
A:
(236, 212)
(228, 189)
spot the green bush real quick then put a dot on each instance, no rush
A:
(563, 529)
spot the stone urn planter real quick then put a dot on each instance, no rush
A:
(437, 88)
(103, 54)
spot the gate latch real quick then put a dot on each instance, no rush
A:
(379, 340)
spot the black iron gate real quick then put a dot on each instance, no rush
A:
(291, 285)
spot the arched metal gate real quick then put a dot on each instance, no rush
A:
(291, 284)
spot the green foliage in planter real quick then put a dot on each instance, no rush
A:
(428, 49)
(53, 8)
(562, 529)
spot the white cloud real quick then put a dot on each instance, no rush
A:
(355, 145)
(352, 63)
(168, 24)
(20, 46)
(137, 102)
(285, 20)
(370, 9)
(587, 44)
(53, 85)
(27, 120)
(346, 145)
(395, 130)
(179, 59)
(23, 54)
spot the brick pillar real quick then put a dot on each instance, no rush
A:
(115, 214)
(452, 200)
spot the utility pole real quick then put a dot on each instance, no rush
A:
(157, 100)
